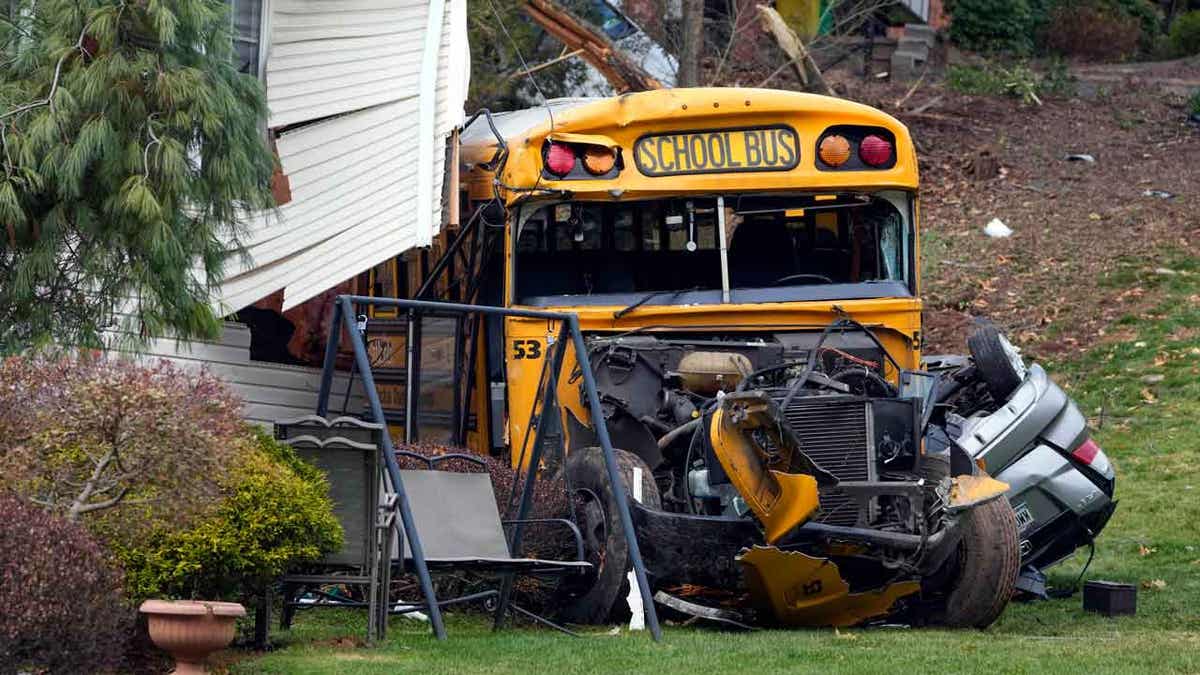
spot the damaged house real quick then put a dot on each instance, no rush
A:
(363, 96)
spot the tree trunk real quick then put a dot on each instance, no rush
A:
(692, 47)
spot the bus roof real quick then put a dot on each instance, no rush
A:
(627, 121)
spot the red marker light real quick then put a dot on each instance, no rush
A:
(560, 159)
(875, 151)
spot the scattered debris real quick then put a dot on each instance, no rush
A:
(1111, 598)
(1032, 584)
(793, 46)
(931, 103)
(1153, 379)
(1154, 584)
(996, 229)
(843, 636)
(1161, 194)
(985, 165)
(1081, 158)
(406, 610)
(726, 617)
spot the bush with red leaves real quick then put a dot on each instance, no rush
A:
(61, 594)
(93, 437)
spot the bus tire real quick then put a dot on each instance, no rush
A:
(600, 523)
(988, 562)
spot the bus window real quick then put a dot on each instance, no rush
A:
(604, 252)
(624, 234)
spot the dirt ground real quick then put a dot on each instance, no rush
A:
(1081, 230)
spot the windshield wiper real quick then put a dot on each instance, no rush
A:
(650, 296)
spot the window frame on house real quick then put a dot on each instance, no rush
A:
(261, 40)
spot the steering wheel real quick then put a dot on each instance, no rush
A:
(792, 277)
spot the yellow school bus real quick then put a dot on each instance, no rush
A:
(743, 263)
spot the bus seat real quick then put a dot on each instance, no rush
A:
(761, 253)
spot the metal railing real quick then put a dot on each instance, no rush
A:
(344, 317)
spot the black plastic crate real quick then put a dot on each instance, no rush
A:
(1110, 598)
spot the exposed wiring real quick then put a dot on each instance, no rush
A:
(850, 357)
(1073, 588)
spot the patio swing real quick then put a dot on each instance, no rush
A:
(432, 520)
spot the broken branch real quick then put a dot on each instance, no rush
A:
(558, 59)
(791, 45)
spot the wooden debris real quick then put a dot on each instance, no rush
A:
(790, 43)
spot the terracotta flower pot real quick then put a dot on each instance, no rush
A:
(190, 630)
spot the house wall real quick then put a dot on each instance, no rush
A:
(269, 391)
(355, 89)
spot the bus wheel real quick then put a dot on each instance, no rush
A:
(600, 523)
(983, 574)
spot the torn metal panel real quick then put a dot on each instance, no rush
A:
(725, 617)
(801, 590)
(782, 501)
(967, 491)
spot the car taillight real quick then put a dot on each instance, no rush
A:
(1090, 453)
(875, 151)
(560, 159)
(1086, 452)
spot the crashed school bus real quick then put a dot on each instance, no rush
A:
(744, 265)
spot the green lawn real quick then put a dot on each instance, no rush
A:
(1149, 430)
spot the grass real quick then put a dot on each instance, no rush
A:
(1148, 427)
(1016, 80)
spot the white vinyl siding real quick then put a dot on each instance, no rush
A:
(328, 58)
(343, 83)
(269, 391)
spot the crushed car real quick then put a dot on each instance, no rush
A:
(792, 469)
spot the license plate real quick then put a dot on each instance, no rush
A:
(773, 148)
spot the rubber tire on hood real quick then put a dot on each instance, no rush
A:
(586, 470)
(994, 362)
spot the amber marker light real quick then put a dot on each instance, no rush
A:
(834, 150)
(599, 160)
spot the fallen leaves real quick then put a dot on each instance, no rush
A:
(1154, 584)
(1144, 550)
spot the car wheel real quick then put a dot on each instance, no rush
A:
(600, 524)
(998, 360)
(984, 571)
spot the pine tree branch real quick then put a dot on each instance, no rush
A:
(153, 142)
(49, 100)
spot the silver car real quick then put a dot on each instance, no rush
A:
(1024, 430)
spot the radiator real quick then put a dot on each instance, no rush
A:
(835, 432)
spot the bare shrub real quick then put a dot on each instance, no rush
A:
(1091, 31)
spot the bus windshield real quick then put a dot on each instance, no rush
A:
(775, 249)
